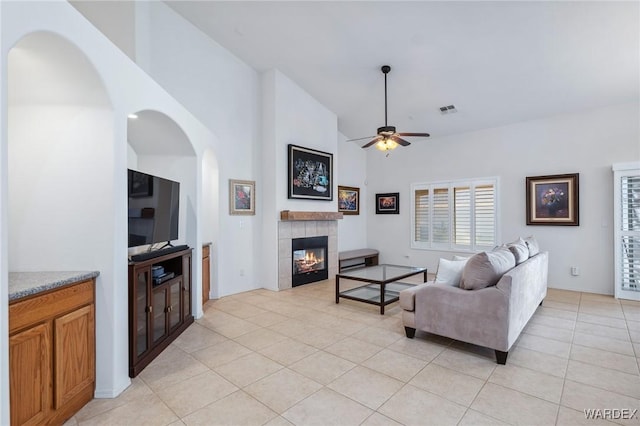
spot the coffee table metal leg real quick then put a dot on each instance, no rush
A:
(337, 289)
(381, 299)
(425, 276)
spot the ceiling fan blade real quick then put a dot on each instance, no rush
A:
(359, 139)
(376, 139)
(399, 140)
(424, 135)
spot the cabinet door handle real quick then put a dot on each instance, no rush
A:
(149, 309)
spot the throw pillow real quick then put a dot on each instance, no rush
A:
(533, 246)
(465, 258)
(449, 272)
(520, 250)
(485, 269)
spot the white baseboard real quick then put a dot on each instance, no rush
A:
(112, 393)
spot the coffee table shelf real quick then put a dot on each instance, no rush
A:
(382, 286)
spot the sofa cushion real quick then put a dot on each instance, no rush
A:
(520, 250)
(485, 269)
(450, 271)
(532, 245)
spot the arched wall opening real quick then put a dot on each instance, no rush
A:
(157, 145)
(60, 161)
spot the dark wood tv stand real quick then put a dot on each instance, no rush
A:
(158, 311)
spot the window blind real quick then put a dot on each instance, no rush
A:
(485, 215)
(421, 222)
(462, 215)
(441, 215)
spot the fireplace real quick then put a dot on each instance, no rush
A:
(309, 260)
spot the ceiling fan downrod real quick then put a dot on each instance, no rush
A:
(385, 70)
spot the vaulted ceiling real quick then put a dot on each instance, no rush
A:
(497, 62)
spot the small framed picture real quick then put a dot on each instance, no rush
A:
(242, 197)
(388, 203)
(348, 200)
(553, 200)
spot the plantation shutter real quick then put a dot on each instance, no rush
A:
(422, 223)
(462, 215)
(627, 231)
(441, 222)
(485, 215)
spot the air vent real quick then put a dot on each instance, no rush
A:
(449, 109)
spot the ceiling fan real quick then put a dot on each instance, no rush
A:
(387, 137)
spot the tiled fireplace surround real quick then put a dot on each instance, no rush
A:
(290, 229)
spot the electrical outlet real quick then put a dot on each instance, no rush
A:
(575, 271)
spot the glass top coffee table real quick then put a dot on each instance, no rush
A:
(381, 288)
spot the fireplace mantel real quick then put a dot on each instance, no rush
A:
(290, 215)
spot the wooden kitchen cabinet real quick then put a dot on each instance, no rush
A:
(52, 354)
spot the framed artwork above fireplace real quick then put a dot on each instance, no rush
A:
(310, 174)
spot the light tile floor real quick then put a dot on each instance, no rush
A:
(295, 357)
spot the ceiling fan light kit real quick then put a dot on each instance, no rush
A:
(387, 138)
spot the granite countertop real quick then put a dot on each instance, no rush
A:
(22, 284)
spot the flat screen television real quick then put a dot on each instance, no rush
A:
(154, 203)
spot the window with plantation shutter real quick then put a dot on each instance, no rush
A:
(456, 215)
(627, 230)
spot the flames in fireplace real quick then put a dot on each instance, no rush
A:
(308, 261)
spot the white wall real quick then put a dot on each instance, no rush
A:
(210, 208)
(104, 13)
(4, 244)
(352, 171)
(586, 143)
(59, 187)
(292, 117)
(222, 92)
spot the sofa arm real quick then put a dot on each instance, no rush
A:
(408, 296)
(475, 316)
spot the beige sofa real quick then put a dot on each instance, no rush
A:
(492, 317)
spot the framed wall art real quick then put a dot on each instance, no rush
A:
(242, 197)
(348, 200)
(388, 203)
(310, 174)
(553, 200)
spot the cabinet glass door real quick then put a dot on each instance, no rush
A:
(158, 313)
(175, 305)
(186, 285)
(142, 316)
